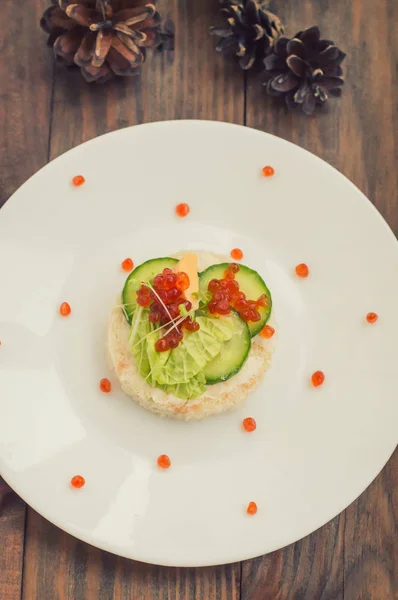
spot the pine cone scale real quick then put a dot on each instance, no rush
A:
(296, 47)
(128, 42)
(102, 45)
(284, 83)
(66, 46)
(297, 65)
(85, 51)
(82, 15)
(131, 16)
(53, 17)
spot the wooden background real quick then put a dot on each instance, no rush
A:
(44, 111)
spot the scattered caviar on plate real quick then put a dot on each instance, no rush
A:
(251, 508)
(249, 424)
(65, 309)
(77, 481)
(237, 254)
(372, 317)
(317, 378)
(302, 270)
(127, 265)
(267, 332)
(268, 171)
(182, 209)
(105, 386)
(78, 180)
(163, 461)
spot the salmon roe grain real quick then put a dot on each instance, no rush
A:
(237, 254)
(105, 386)
(372, 317)
(65, 309)
(163, 461)
(267, 332)
(268, 171)
(251, 508)
(317, 378)
(249, 424)
(78, 180)
(127, 265)
(77, 481)
(182, 210)
(302, 270)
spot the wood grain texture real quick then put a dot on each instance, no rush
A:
(311, 568)
(25, 92)
(12, 523)
(371, 534)
(358, 134)
(193, 86)
(58, 567)
(354, 557)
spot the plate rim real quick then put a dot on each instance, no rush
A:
(7, 476)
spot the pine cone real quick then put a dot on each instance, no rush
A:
(103, 37)
(250, 31)
(304, 69)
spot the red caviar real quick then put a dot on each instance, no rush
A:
(127, 265)
(302, 270)
(249, 424)
(317, 378)
(251, 508)
(78, 180)
(226, 294)
(163, 461)
(182, 209)
(237, 254)
(164, 299)
(65, 309)
(268, 171)
(267, 332)
(105, 386)
(77, 481)
(372, 317)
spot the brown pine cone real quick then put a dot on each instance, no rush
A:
(103, 37)
(304, 70)
(249, 32)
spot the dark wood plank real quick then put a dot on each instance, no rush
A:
(197, 85)
(311, 568)
(59, 566)
(371, 533)
(358, 135)
(26, 75)
(12, 523)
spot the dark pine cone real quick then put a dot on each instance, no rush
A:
(250, 31)
(304, 70)
(103, 37)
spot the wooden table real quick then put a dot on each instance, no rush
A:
(45, 110)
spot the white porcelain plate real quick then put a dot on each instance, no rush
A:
(314, 450)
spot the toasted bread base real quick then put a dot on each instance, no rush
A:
(216, 399)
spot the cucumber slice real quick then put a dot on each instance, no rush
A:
(233, 353)
(250, 283)
(145, 272)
